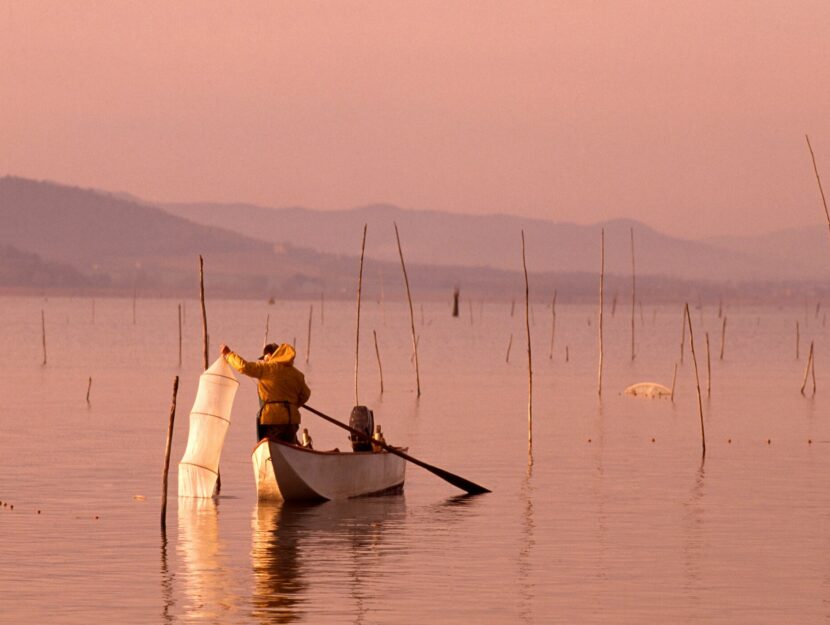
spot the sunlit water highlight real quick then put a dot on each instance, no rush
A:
(607, 526)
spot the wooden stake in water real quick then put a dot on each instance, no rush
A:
(807, 369)
(180, 334)
(88, 389)
(308, 340)
(683, 335)
(380, 367)
(813, 369)
(673, 381)
(167, 446)
(411, 313)
(601, 295)
(206, 347)
(722, 337)
(708, 369)
(509, 345)
(529, 356)
(697, 381)
(818, 180)
(797, 341)
(552, 324)
(455, 295)
(633, 293)
(43, 333)
(357, 326)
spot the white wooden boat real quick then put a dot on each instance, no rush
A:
(285, 472)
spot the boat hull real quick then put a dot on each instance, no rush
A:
(285, 472)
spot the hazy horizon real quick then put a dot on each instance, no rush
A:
(690, 118)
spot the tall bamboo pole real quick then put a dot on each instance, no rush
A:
(673, 381)
(708, 369)
(205, 344)
(633, 292)
(813, 370)
(88, 389)
(722, 337)
(167, 446)
(411, 313)
(308, 340)
(380, 367)
(807, 368)
(43, 333)
(267, 329)
(529, 356)
(697, 381)
(818, 180)
(357, 327)
(797, 341)
(683, 335)
(601, 295)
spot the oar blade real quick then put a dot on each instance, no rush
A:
(456, 480)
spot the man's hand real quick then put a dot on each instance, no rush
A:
(224, 350)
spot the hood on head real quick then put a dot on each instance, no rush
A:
(284, 355)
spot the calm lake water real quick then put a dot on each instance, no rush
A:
(617, 521)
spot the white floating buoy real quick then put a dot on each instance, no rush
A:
(648, 389)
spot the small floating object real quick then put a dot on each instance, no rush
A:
(647, 389)
(139, 497)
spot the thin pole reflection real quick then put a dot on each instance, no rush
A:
(693, 547)
(166, 582)
(526, 585)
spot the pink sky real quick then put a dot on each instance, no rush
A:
(689, 116)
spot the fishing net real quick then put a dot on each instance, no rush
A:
(209, 421)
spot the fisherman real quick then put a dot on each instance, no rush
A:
(281, 388)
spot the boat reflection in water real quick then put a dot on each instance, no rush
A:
(297, 547)
(208, 593)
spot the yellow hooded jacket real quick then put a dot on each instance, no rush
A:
(279, 381)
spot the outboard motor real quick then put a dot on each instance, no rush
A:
(363, 420)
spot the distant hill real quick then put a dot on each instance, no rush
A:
(23, 269)
(82, 240)
(440, 238)
(804, 251)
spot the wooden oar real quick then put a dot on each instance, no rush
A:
(466, 485)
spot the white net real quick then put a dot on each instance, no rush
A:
(209, 421)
